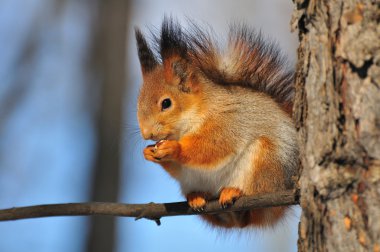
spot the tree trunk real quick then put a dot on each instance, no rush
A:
(337, 112)
(109, 65)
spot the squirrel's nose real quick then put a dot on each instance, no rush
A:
(146, 133)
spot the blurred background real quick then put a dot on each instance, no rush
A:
(69, 78)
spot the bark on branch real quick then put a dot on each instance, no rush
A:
(150, 211)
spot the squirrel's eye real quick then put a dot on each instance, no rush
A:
(166, 103)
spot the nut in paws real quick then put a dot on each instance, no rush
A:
(164, 150)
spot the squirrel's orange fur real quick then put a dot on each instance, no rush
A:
(221, 118)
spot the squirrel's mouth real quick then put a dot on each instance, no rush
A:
(167, 137)
(162, 138)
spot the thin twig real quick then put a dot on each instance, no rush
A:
(150, 211)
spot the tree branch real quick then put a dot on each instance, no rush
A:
(150, 211)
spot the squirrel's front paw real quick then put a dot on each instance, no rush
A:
(166, 150)
(149, 153)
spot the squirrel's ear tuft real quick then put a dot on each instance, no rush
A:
(147, 59)
(172, 40)
(174, 53)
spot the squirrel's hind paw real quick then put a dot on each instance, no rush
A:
(197, 200)
(228, 195)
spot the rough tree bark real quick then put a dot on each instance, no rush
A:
(337, 111)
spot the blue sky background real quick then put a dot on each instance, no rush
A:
(47, 139)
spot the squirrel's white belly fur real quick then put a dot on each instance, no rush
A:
(230, 173)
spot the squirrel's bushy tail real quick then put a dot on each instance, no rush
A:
(258, 218)
(248, 61)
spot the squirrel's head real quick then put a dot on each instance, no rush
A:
(170, 96)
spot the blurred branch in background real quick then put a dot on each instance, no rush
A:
(109, 66)
(150, 211)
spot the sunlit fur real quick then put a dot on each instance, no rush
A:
(230, 117)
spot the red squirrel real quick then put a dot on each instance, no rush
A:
(221, 118)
